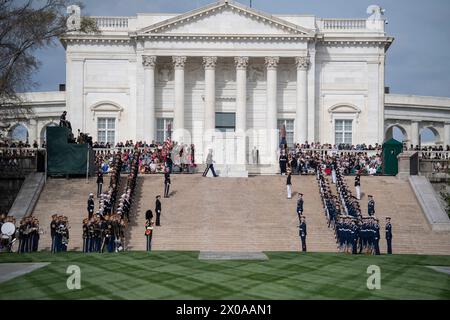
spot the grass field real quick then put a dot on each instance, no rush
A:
(180, 275)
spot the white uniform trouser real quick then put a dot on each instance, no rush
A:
(289, 191)
(333, 175)
(358, 192)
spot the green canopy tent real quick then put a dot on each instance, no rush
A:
(391, 149)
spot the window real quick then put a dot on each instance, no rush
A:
(225, 122)
(106, 130)
(343, 131)
(163, 129)
(289, 126)
(19, 133)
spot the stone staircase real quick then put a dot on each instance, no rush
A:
(241, 214)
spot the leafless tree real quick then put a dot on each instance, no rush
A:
(26, 26)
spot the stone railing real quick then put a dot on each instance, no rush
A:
(331, 152)
(112, 23)
(342, 24)
(435, 155)
(21, 161)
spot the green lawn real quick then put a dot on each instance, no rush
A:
(180, 275)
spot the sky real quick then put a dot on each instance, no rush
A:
(418, 62)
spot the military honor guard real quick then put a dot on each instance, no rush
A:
(302, 233)
(388, 228)
(371, 206)
(300, 206)
(377, 237)
(53, 225)
(166, 183)
(289, 184)
(90, 205)
(158, 210)
(149, 234)
(358, 186)
(99, 182)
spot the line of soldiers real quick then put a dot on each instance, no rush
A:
(106, 229)
(100, 234)
(354, 233)
(59, 231)
(28, 235)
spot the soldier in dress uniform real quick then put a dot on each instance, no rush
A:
(389, 235)
(371, 206)
(90, 205)
(158, 210)
(377, 237)
(53, 225)
(85, 234)
(289, 184)
(99, 181)
(300, 206)
(166, 183)
(149, 233)
(302, 233)
(358, 186)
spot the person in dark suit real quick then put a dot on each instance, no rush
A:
(300, 206)
(158, 210)
(377, 237)
(302, 233)
(389, 235)
(166, 183)
(148, 215)
(53, 226)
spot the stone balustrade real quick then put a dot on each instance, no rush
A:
(112, 23)
(342, 24)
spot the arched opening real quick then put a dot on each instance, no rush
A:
(396, 132)
(43, 134)
(18, 133)
(429, 136)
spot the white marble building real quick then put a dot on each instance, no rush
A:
(227, 71)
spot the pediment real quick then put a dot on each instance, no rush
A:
(344, 108)
(226, 18)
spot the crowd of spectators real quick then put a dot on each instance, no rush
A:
(153, 158)
(305, 160)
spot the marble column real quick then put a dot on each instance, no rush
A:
(272, 136)
(148, 117)
(414, 133)
(446, 134)
(301, 114)
(178, 112)
(241, 107)
(209, 64)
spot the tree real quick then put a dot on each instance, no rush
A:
(26, 26)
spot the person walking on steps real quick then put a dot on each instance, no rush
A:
(149, 233)
(289, 184)
(210, 164)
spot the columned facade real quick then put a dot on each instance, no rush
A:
(148, 119)
(301, 115)
(178, 110)
(271, 91)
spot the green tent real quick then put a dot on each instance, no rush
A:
(65, 158)
(391, 149)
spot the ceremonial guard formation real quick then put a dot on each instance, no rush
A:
(28, 235)
(354, 233)
(59, 229)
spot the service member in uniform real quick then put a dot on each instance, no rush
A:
(149, 233)
(158, 210)
(90, 205)
(300, 202)
(53, 225)
(302, 233)
(371, 206)
(289, 184)
(377, 237)
(166, 183)
(389, 235)
(358, 186)
(99, 182)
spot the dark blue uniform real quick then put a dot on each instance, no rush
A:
(389, 237)
(371, 207)
(302, 233)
